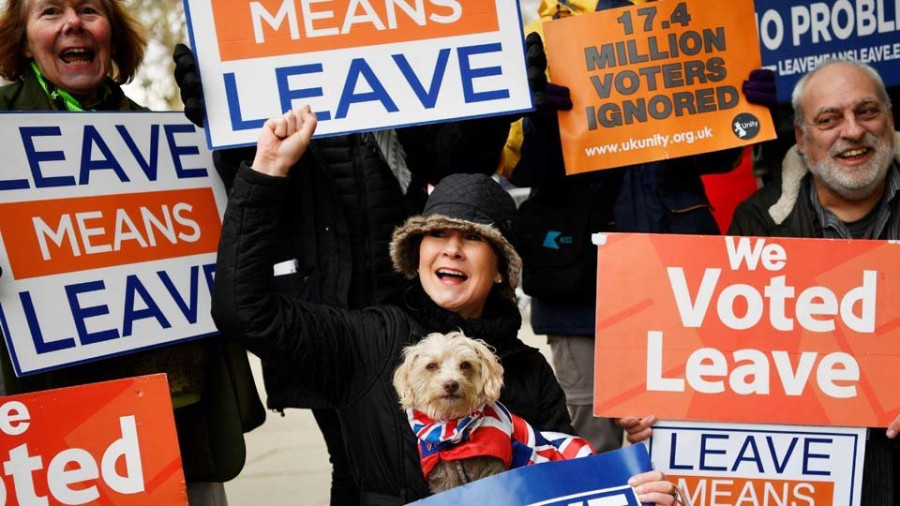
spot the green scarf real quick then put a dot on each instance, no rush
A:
(61, 98)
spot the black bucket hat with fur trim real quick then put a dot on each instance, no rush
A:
(471, 203)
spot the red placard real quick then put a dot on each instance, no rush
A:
(742, 329)
(105, 443)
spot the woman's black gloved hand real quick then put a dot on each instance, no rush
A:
(226, 161)
(188, 80)
(548, 98)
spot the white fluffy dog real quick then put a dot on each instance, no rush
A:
(446, 377)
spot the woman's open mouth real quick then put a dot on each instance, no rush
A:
(451, 275)
(77, 56)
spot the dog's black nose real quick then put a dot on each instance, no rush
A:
(451, 387)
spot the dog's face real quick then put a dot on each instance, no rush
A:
(447, 376)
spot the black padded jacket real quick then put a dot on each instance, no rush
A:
(348, 356)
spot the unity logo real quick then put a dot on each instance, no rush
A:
(745, 126)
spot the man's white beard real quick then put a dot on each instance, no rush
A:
(859, 182)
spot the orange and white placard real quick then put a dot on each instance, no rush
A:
(656, 81)
(745, 329)
(109, 225)
(104, 443)
(360, 64)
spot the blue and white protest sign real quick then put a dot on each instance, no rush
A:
(798, 35)
(760, 464)
(109, 225)
(360, 64)
(598, 480)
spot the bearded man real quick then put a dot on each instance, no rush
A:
(839, 181)
(841, 178)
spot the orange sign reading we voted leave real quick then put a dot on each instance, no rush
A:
(110, 443)
(745, 329)
(656, 81)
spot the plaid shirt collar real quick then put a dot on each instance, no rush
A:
(886, 224)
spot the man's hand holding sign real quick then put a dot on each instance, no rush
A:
(649, 74)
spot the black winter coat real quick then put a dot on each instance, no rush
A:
(348, 357)
(752, 215)
(211, 431)
(343, 205)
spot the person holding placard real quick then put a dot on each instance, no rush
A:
(557, 220)
(351, 194)
(74, 55)
(839, 181)
(462, 270)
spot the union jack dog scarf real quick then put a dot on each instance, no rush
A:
(491, 430)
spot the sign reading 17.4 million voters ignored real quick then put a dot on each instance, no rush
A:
(656, 81)
(360, 64)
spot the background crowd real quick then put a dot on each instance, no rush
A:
(380, 263)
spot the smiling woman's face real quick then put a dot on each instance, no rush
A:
(71, 42)
(457, 270)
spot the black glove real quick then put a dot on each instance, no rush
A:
(547, 97)
(188, 80)
(759, 88)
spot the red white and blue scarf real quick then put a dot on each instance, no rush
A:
(491, 430)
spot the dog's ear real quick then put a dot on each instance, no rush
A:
(491, 370)
(401, 379)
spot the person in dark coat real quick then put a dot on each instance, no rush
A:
(662, 197)
(337, 225)
(462, 271)
(840, 181)
(210, 381)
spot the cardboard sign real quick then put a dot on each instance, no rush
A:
(797, 36)
(105, 443)
(745, 329)
(109, 225)
(655, 81)
(598, 480)
(360, 64)
(761, 464)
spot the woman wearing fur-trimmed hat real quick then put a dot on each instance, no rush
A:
(463, 270)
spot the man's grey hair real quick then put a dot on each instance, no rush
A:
(800, 87)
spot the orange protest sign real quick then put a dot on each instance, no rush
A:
(656, 81)
(339, 24)
(123, 229)
(795, 331)
(105, 443)
(711, 491)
